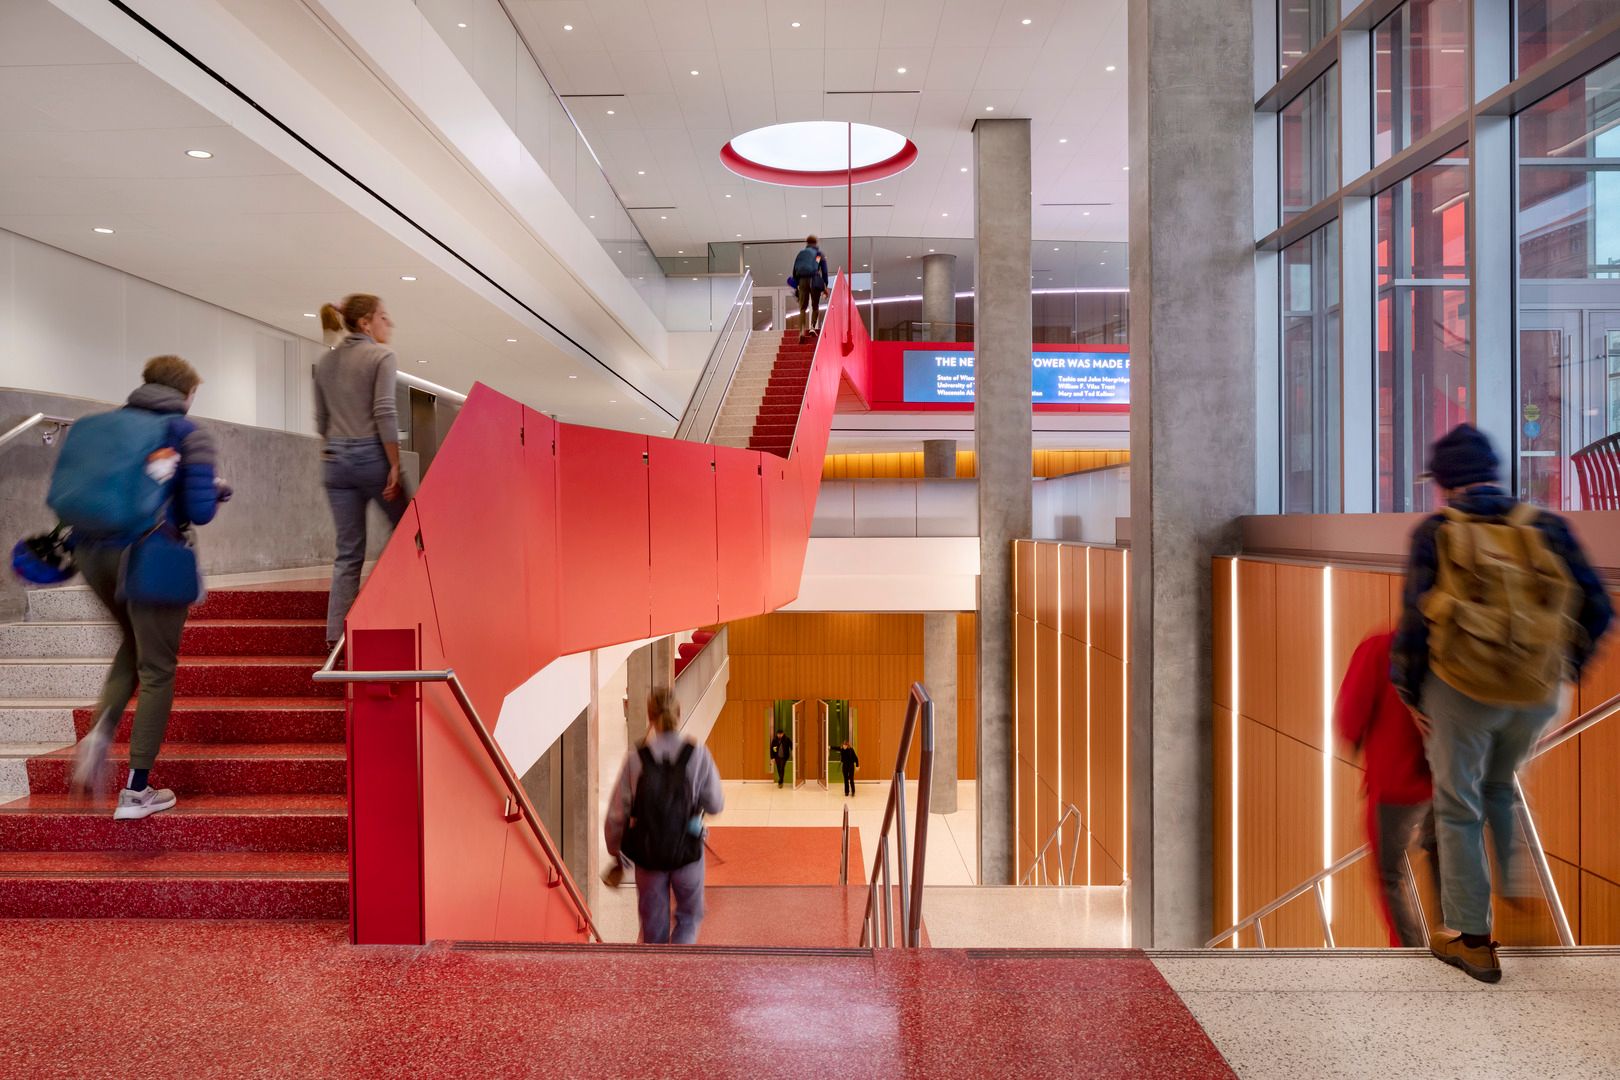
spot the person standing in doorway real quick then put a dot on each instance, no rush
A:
(848, 763)
(357, 415)
(183, 464)
(781, 754)
(806, 266)
(1500, 607)
(655, 818)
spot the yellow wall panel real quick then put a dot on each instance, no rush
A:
(1257, 642)
(1299, 654)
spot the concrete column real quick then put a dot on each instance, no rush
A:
(651, 667)
(939, 296)
(939, 458)
(1001, 419)
(1193, 390)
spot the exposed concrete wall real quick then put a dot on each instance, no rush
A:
(278, 519)
(939, 455)
(939, 630)
(1001, 416)
(1192, 426)
(939, 298)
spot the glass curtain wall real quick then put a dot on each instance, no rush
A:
(1465, 266)
(1300, 25)
(1569, 283)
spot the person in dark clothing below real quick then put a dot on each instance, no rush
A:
(849, 762)
(1500, 607)
(1371, 717)
(781, 754)
(150, 649)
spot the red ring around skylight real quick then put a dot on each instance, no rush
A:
(864, 174)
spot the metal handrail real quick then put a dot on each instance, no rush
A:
(804, 398)
(881, 916)
(1065, 876)
(843, 855)
(711, 367)
(1551, 741)
(54, 426)
(515, 794)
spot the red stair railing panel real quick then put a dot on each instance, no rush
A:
(684, 545)
(602, 537)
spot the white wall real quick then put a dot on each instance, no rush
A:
(72, 326)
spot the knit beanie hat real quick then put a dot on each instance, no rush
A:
(1463, 456)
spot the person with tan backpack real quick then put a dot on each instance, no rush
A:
(1501, 607)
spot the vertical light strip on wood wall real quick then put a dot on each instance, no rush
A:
(1125, 718)
(1327, 736)
(1088, 825)
(1035, 706)
(1236, 721)
(1018, 692)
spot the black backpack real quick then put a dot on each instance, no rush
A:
(657, 837)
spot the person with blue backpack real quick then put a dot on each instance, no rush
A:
(131, 484)
(810, 280)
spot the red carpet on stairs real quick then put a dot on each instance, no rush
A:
(778, 416)
(255, 753)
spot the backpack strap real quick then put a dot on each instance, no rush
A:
(1460, 541)
(687, 750)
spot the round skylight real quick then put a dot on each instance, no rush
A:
(817, 153)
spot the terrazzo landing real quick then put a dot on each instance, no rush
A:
(234, 999)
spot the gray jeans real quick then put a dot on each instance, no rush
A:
(1397, 822)
(355, 471)
(653, 890)
(1474, 750)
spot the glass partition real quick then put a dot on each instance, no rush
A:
(1545, 26)
(1420, 72)
(1300, 25)
(1310, 373)
(1569, 282)
(1310, 146)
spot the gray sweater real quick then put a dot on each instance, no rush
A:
(354, 391)
(701, 774)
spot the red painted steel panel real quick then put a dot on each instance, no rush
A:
(468, 497)
(785, 532)
(602, 542)
(537, 501)
(740, 532)
(684, 546)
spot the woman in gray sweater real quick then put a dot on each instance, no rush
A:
(355, 412)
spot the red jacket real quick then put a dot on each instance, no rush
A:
(1371, 717)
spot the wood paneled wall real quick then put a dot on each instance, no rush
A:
(1070, 660)
(1277, 694)
(869, 658)
(906, 465)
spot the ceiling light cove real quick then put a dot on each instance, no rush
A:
(818, 153)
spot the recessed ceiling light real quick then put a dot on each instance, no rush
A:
(1102, 264)
(663, 217)
(944, 213)
(613, 401)
(1063, 140)
(899, 71)
(680, 253)
(406, 277)
(930, 251)
(989, 108)
(1127, 168)
(1110, 67)
(694, 279)
(739, 236)
(641, 172)
(794, 25)
(567, 26)
(919, 277)
(621, 251)
(1085, 213)
(573, 376)
(461, 26)
(964, 168)
(200, 154)
(421, 361)
(103, 230)
(694, 71)
(1028, 21)
(511, 341)
(728, 194)
(591, 216)
(309, 314)
(879, 194)
(611, 112)
(1054, 249)
(804, 215)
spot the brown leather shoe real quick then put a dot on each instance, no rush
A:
(1480, 961)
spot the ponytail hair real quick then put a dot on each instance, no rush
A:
(335, 319)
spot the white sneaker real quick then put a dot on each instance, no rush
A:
(143, 803)
(90, 759)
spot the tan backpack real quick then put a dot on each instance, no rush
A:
(1501, 611)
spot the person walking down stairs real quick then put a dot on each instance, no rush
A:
(131, 484)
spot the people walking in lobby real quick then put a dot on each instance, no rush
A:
(806, 266)
(356, 414)
(849, 763)
(1500, 607)
(781, 754)
(147, 454)
(655, 818)
(1370, 716)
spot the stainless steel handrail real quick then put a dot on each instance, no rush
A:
(1538, 855)
(879, 923)
(1065, 876)
(843, 855)
(697, 403)
(54, 426)
(515, 795)
(804, 398)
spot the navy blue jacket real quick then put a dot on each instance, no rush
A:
(196, 497)
(1409, 659)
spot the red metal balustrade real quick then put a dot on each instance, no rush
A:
(529, 540)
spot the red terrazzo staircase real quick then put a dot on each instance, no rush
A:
(778, 417)
(254, 751)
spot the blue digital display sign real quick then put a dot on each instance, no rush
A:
(1058, 378)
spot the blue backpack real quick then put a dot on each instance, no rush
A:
(804, 265)
(100, 487)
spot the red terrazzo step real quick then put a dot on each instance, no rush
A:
(254, 637)
(267, 603)
(265, 823)
(173, 885)
(216, 769)
(252, 676)
(239, 720)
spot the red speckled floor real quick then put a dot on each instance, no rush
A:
(772, 855)
(278, 999)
